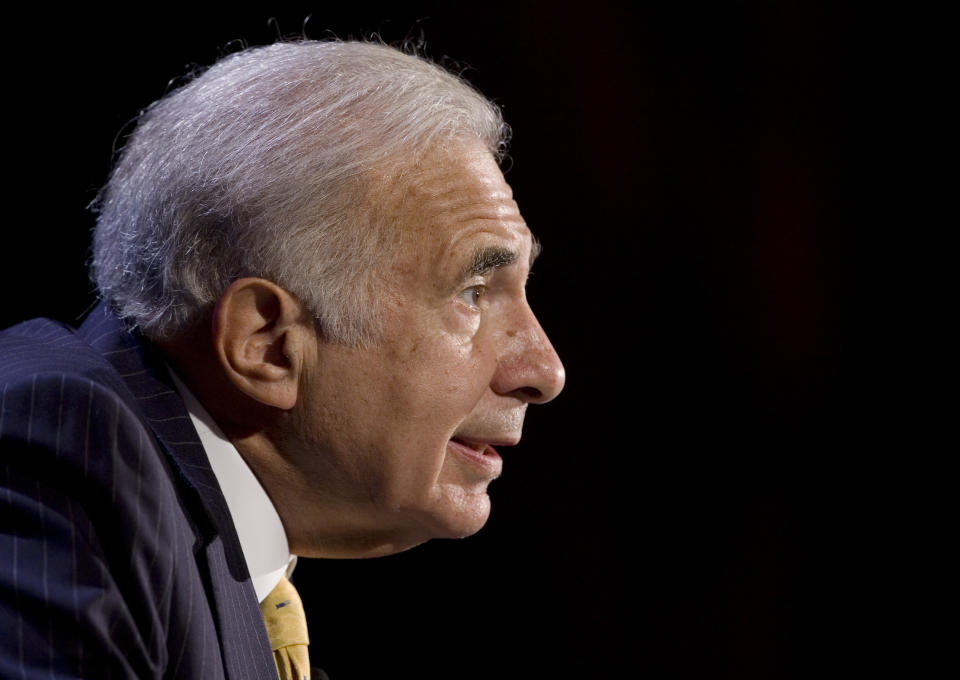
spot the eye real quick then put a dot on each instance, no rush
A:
(472, 295)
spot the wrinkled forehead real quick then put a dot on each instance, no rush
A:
(456, 187)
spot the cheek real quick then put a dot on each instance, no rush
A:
(423, 403)
(441, 374)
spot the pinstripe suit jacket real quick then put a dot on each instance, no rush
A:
(118, 556)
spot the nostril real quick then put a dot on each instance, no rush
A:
(530, 393)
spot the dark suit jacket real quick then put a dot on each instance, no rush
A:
(118, 556)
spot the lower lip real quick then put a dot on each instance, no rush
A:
(488, 459)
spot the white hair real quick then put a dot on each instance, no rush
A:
(264, 166)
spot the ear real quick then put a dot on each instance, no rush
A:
(259, 333)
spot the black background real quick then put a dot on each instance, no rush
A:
(691, 169)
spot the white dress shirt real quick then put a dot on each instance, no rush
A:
(262, 538)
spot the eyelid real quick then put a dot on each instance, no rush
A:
(476, 292)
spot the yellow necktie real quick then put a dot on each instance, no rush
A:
(287, 631)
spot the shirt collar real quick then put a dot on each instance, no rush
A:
(262, 537)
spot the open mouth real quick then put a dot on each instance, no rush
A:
(479, 453)
(479, 447)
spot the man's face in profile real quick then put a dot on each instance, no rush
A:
(410, 427)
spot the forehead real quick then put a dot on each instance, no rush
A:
(455, 198)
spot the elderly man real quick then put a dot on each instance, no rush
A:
(313, 339)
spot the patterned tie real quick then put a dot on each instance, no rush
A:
(287, 631)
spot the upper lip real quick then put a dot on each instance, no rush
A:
(481, 443)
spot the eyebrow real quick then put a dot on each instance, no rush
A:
(487, 259)
(535, 249)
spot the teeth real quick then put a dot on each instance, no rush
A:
(479, 448)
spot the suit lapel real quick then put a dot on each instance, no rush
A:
(243, 640)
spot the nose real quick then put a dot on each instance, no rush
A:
(528, 366)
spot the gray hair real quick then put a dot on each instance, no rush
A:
(265, 166)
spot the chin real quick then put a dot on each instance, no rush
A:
(449, 516)
(461, 519)
(449, 525)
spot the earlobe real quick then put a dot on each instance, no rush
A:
(257, 328)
